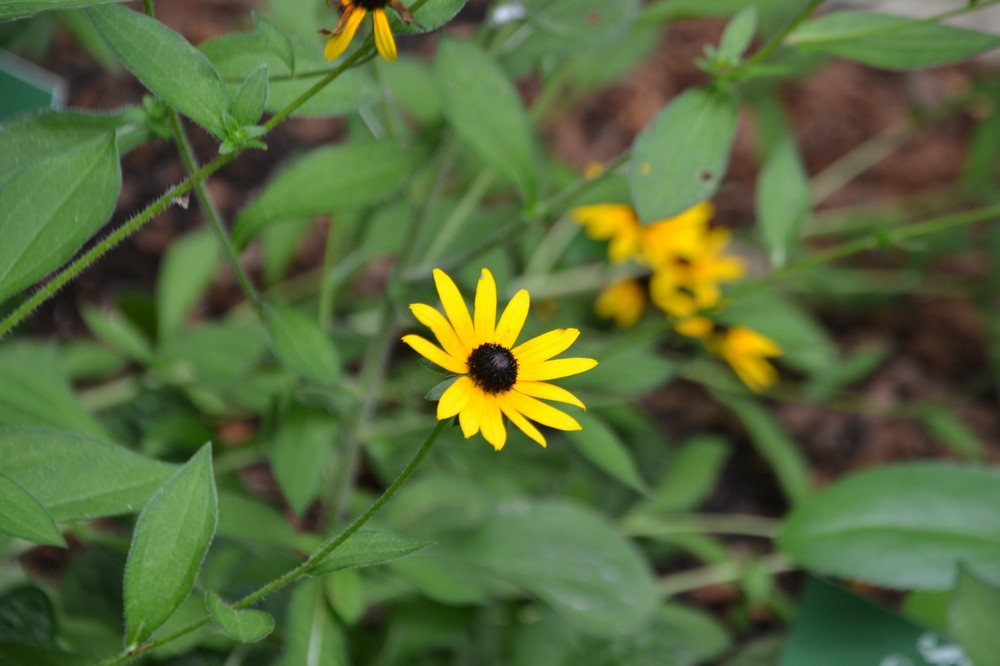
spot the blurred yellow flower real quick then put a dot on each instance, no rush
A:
(352, 12)
(745, 350)
(685, 283)
(616, 223)
(623, 301)
(496, 378)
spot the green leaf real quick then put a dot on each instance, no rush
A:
(783, 199)
(486, 112)
(27, 617)
(311, 635)
(300, 344)
(599, 444)
(251, 521)
(276, 40)
(41, 136)
(301, 452)
(171, 537)
(251, 98)
(16, 9)
(972, 615)
(245, 626)
(690, 476)
(346, 593)
(626, 370)
(52, 206)
(587, 25)
(904, 526)
(890, 42)
(77, 477)
(187, 270)
(431, 16)
(368, 548)
(34, 392)
(113, 329)
(573, 560)
(165, 63)
(738, 34)
(679, 159)
(952, 432)
(773, 444)
(22, 516)
(412, 85)
(335, 178)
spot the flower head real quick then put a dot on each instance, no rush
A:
(745, 350)
(495, 377)
(352, 12)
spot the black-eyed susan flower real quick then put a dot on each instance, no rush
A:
(352, 12)
(683, 284)
(745, 350)
(624, 302)
(495, 377)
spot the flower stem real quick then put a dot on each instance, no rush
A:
(302, 570)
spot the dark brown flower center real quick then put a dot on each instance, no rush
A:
(493, 368)
(371, 4)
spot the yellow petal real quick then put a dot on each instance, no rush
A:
(554, 369)
(756, 373)
(749, 341)
(522, 423)
(455, 398)
(545, 346)
(486, 307)
(342, 36)
(536, 410)
(512, 319)
(491, 424)
(547, 391)
(624, 302)
(441, 329)
(384, 41)
(454, 307)
(435, 354)
(470, 417)
(695, 327)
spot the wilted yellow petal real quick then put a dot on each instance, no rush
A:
(344, 33)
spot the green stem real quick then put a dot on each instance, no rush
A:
(473, 194)
(719, 574)
(212, 213)
(327, 284)
(302, 570)
(778, 39)
(755, 526)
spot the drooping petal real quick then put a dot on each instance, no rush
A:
(455, 398)
(522, 423)
(442, 330)
(547, 391)
(554, 369)
(470, 417)
(455, 308)
(512, 320)
(384, 41)
(756, 373)
(536, 410)
(491, 423)
(342, 36)
(486, 307)
(435, 354)
(545, 346)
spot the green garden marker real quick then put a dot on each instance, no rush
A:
(27, 87)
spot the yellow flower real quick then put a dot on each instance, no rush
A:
(351, 14)
(684, 284)
(623, 301)
(616, 223)
(681, 236)
(496, 379)
(745, 350)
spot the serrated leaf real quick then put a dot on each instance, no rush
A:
(303, 446)
(679, 159)
(35, 392)
(187, 270)
(367, 548)
(572, 559)
(972, 614)
(52, 206)
(156, 54)
(903, 526)
(276, 40)
(890, 42)
(301, 344)
(599, 444)
(335, 178)
(251, 97)
(171, 537)
(245, 626)
(77, 477)
(21, 515)
(486, 112)
(773, 444)
(783, 199)
(17, 9)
